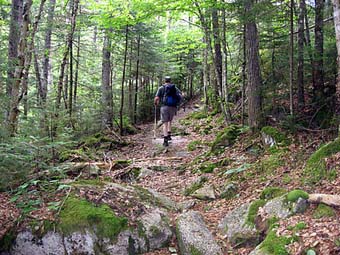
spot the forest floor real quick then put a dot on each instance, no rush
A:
(177, 168)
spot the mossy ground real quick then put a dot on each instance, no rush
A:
(78, 215)
(276, 245)
(225, 138)
(316, 169)
(323, 211)
(272, 192)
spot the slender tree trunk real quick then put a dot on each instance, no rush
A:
(121, 110)
(291, 59)
(77, 72)
(309, 46)
(47, 52)
(63, 64)
(137, 78)
(205, 72)
(253, 71)
(107, 115)
(336, 15)
(131, 100)
(19, 70)
(70, 91)
(300, 72)
(318, 59)
(244, 75)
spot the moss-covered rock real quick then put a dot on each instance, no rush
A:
(316, 169)
(253, 210)
(323, 211)
(272, 136)
(195, 186)
(229, 191)
(276, 245)
(225, 138)
(272, 192)
(78, 214)
(294, 195)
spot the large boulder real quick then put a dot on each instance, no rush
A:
(194, 237)
(236, 228)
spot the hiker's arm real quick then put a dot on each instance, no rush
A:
(156, 100)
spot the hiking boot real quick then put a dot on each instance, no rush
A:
(166, 142)
(169, 136)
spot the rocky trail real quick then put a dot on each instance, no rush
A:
(214, 190)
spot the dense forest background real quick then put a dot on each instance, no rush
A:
(71, 68)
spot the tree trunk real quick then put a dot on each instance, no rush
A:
(13, 42)
(19, 70)
(244, 75)
(137, 78)
(291, 59)
(253, 71)
(318, 86)
(336, 15)
(107, 115)
(123, 81)
(300, 71)
(76, 73)
(47, 53)
(63, 65)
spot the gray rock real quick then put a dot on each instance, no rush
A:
(258, 251)
(187, 204)
(164, 200)
(229, 191)
(235, 228)
(277, 207)
(194, 237)
(268, 140)
(26, 244)
(145, 172)
(157, 230)
(80, 243)
(205, 193)
(127, 243)
(300, 206)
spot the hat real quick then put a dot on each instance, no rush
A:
(167, 79)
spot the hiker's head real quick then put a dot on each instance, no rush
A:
(167, 79)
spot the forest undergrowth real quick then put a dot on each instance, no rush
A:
(203, 150)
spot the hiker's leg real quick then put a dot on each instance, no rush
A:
(166, 128)
(169, 127)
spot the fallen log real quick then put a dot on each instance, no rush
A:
(331, 200)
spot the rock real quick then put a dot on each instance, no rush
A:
(194, 237)
(234, 226)
(277, 207)
(229, 191)
(188, 204)
(300, 206)
(127, 243)
(259, 251)
(80, 243)
(27, 243)
(145, 172)
(164, 200)
(157, 230)
(205, 193)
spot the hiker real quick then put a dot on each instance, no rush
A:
(169, 96)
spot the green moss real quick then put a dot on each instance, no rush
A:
(75, 153)
(89, 182)
(193, 145)
(252, 212)
(78, 215)
(195, 186)
(294, 195)
(272, 192)
(276, 245)
(194, 251)
(208, 167)
(299, 226)
(279, 137)
(323, 211)
(7, 241)
(316, 169)
(198, 115)
(225, 138)
(270, 164)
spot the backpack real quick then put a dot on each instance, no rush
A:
(171, 97)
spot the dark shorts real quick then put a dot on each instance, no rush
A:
(168, 113)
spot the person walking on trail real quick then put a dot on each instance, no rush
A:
(169, 97)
